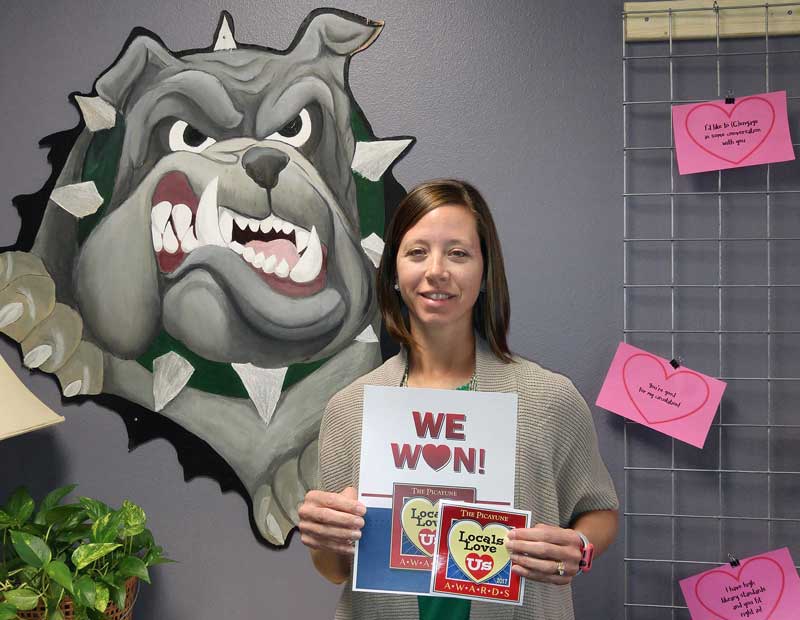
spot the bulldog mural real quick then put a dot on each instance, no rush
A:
(208, 248)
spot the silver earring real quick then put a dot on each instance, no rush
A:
(396, 286)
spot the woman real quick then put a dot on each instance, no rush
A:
(443, 295)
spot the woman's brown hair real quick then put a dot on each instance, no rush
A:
(491, 313)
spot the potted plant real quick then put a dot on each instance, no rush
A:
(64, 561)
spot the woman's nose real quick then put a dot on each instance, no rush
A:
(437, 269)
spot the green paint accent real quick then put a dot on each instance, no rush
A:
(215, 377)
(298, 372)
(100, 165)
(370, 194)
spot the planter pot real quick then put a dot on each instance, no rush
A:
(112, 611)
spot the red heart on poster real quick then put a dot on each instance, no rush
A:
(427, 538)
(718, 142)
(765, 573)
(436, 456)
(690, 390)
(479, 565)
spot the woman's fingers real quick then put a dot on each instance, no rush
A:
(331, 520)
(539, 552)
(549, 575)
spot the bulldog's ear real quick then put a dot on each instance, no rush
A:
(141, 59)
(337, 32)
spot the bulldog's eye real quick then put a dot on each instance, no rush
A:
(184, 137)
(296, 132)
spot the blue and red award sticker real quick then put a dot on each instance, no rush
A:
(471, 559)
(415, 513)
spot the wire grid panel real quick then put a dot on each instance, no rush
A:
(711, 274)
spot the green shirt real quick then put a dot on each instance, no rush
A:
(442, 607)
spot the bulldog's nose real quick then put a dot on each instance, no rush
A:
(263, 165)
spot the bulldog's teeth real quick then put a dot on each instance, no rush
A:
(158, 241)
(226, 225)
(189, 242)
(236, 247)
(182, 217)
(160, 215)
(301, 238)
(254, 225)
(310, 263)
(207, 226)
(170, 241)
(282, 270)
(266, 224)
(288, 227)
(258, 260)
(277, 223)
(249, 254)
(241, 221)
(269, 264)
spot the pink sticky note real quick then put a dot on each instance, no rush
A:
(715, 135)
(763, 587)
(645, 388)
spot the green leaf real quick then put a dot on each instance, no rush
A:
(8, 612)
(30, 548)
(56, 615)
(144, 540)
(60, 573)
(6, 520)
(100, 597)
(118, 594)
(74, 534)
(134, 519)
(65, 517)
(94, 508)
(85, 591)
(22, 598)
(86, 554)
(20, 505)
(106, 528)
(52, 499)
(131, 566)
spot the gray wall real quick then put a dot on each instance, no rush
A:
(522, 98)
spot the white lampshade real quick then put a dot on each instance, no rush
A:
(20, 410)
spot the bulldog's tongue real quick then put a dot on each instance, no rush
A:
(281, 249)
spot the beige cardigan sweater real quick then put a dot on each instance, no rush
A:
(559, 474)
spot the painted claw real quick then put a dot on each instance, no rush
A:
(73, 389)
(37, 356)
(10, 313)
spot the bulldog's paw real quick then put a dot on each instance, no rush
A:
(275, 501)
(49, 333)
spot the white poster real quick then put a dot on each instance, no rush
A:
(419, 446)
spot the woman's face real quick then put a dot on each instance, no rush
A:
(440, 268)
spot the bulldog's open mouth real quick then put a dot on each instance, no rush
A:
(289, 258)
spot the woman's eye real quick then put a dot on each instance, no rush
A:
(184, 137)
(458, 254)
(296, 132)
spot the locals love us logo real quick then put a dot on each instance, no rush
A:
(418, 519)
(478, 551)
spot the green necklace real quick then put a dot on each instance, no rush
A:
(469, 386)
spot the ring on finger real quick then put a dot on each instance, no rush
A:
(561, 568)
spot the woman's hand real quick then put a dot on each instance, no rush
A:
(331, 521)
(536, 553)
